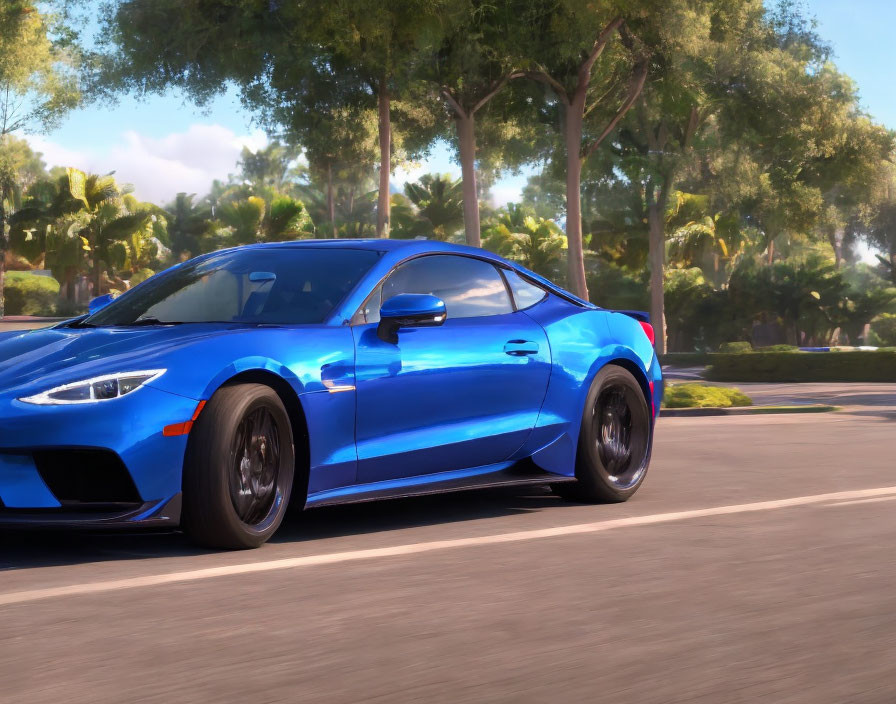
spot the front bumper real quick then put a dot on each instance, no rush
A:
(128, 429)
(148, 514)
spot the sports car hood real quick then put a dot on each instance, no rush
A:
(51, 356)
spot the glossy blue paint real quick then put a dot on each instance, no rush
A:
(23, 486)
(412, 305)
(99, 302)
(449, 405)
(449, 397)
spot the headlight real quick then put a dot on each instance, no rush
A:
(98, 388)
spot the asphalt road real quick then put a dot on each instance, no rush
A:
(755, 565)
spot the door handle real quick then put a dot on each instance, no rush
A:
(520, 348)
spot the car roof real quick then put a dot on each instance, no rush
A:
(377, 244)
(400, 249)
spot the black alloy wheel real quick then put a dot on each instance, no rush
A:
(614, 441)
(239, 468)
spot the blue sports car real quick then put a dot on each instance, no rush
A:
(320, 372)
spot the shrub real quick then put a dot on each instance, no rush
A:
(804, 366)
(694, 395)
(735, 347)
(30, 294)
(884, 329)
(778, 348)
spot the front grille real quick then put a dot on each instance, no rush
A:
(84, 476)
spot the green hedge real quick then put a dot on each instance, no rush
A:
(803, 366)
(692, 395)
(29, 294)
(735, 347)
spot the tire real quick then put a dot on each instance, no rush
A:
(614, 441)
(238, 470)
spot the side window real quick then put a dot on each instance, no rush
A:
(525, 294)
(469, 287)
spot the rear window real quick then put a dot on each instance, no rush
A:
(525, 293)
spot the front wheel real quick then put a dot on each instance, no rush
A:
(239, 467)
(614, 441)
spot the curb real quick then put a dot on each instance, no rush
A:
(743, 411)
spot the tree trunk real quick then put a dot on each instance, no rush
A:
(331, 203)
(657, 260)
(3, 245)
(835, 237)
(97, 273)
(893, 259)
(466, 138)
(383, 208)
(575, 114)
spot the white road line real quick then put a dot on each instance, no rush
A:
(414, 548)
(864, 501)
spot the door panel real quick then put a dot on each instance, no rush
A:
(465, 394)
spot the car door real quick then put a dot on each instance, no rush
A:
(461, 395)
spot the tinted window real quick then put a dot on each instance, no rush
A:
(469, 287)
(277, 285)
(525, 294)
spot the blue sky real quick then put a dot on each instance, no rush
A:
(165, 144)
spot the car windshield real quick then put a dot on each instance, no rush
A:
(257, 286)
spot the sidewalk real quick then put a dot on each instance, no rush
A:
(802, 394)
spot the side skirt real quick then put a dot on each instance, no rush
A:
(490, 476)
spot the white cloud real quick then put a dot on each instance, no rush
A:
(55, 154)
(159, 168)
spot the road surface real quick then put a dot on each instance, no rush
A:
(755, 565)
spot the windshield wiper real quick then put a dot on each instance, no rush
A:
(151, 321)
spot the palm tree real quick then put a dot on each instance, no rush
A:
(83, 215)
(109, 221)
(437, 201)
(537, 243)
(253, 220)
(188, 221)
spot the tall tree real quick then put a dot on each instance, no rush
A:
(470, 62)
(594, 68)
(881, 230)
(278, 54)
(692, 73)
(713, 62)
(375, 41)
(268, 168)
(38, 84)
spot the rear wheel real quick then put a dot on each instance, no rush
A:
(239, 467)
(614, 441)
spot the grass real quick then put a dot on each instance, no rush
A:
(694, 395)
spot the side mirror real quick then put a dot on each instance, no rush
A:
(99, 303)
(409, 310)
